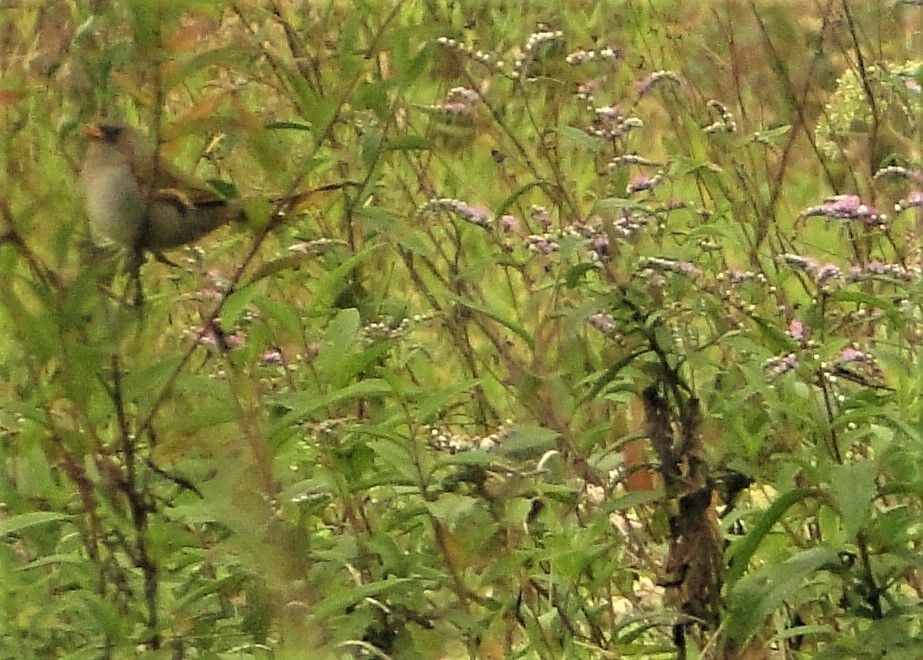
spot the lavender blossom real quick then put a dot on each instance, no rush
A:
(846, 207)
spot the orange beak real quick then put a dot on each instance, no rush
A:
(93, 131)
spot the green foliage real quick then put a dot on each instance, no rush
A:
(577, 361)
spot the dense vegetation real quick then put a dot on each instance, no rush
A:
(610, 347)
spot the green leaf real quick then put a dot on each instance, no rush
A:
(755, 597)
(395, 457)
(580, 139)
(432, 405)
(138, 385)
(741, 551)
(472, 457)
(284, 263)
(287, 126)
(330, 285)
(575, 273)
(224, 188)
(528, 442)
(348, 598)
(235, 304)
(853, 490)
(396, 231)
(511, 199)
(373, 95)
(51, 560)
(302, 405)
(451, 508)
(27, 520)
(283, 314)
(222, 57)
(505, 322)
(407, 143)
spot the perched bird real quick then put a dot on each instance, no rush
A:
(140, 203)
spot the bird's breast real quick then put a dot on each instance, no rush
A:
(114, 204)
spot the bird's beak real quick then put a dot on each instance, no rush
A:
(93, 131)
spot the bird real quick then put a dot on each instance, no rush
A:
(138, 202)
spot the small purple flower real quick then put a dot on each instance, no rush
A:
(724, 122)
(641, 183)
(599, 243)
(857, 366)
(214, 336)
(850, 354)
(542, 244)
(272, 356)
(827, 272)
(455, 108)
(796, 330)
(629, 224)
(462, 95)
(736, 276)
(608, 121)
(822, 273)
(581, 56)
(587, 89)
(602, 322)
(778, 366)
(541, 214)
(644, 85)
(509, 224)
(914, 199)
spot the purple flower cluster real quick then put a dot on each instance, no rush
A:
(898, 172)
(476, 215)
(686, 268)
(458, 108)
(878, 269)
(509, 224)
(846, 207)
(583, 56)
(609, 122)
(655, 79)
(388, 330)
(540, 214)
(542, 243)
(777, 366)
(317, 246)
(914, 199)
(456, 443)
(478, 56)
(857, 366)
(631, 159)
(587, 89)
(272, 357)
(822, 274)
(724, 120)
(852, 364)
(736, 276)
(643, 183)
(603, 322)
(539, 46)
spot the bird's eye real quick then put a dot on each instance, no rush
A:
(111, 133)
